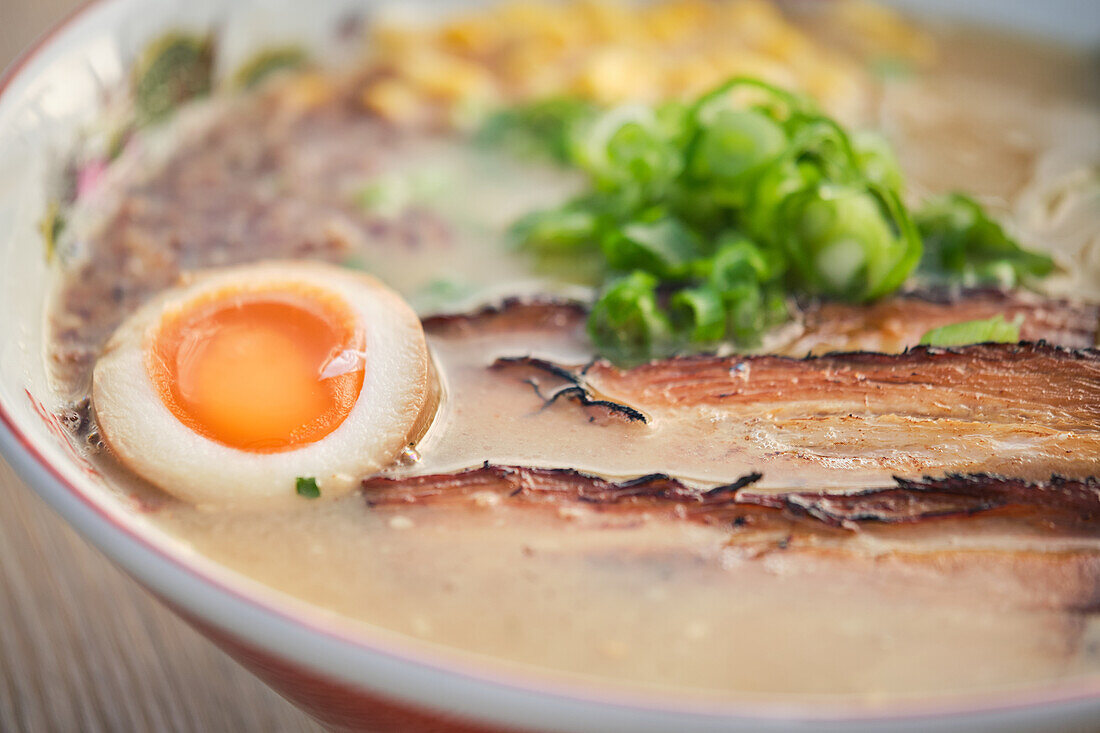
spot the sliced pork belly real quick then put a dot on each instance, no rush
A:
(895, 323)
(888, 325)
(1031, 544)
(1060, 506)
(1025, 410)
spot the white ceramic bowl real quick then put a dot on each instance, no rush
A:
(348, 677)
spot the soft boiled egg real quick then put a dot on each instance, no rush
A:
(229, 388)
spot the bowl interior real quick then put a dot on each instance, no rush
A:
(45, 101)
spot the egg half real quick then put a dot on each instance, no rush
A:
(228, 388)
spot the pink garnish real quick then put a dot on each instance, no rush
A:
(89, 176)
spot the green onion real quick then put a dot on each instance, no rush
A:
(844, 243)
(965, 245)
(705, 218)
(990, 330)
(306, 486)
(737, 260)
(877, 160)
(625, 150)
(558, 230)
(538, 129)
(665, 247)
(627, 321)
(700, 312)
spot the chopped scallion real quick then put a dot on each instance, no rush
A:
(989, 330)
(306, 486)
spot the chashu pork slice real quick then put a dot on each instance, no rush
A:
(1033, 544)
(1026, 410)
(889, 325)
(521, 390)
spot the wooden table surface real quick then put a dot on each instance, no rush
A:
(82, 647)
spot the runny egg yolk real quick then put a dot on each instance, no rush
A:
(261, 371)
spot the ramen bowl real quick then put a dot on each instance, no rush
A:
(346, 675)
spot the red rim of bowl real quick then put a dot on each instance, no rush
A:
(988, 702)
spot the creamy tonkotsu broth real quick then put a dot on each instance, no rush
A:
(628, 594)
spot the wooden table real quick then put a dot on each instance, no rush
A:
(82, 647)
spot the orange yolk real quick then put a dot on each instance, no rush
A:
(260, 371)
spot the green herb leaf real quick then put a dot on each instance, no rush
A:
(173, 69)
(307, 487)
(50, 227)
(964, 244)
(267, 62)
(989, 330)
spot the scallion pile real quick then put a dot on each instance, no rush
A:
(704, 219)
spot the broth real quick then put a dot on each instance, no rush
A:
(653, 603)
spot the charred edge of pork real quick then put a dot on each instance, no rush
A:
(1061, 501)
(575, 388)
(566, 483)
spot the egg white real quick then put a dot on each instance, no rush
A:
(392, 409)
